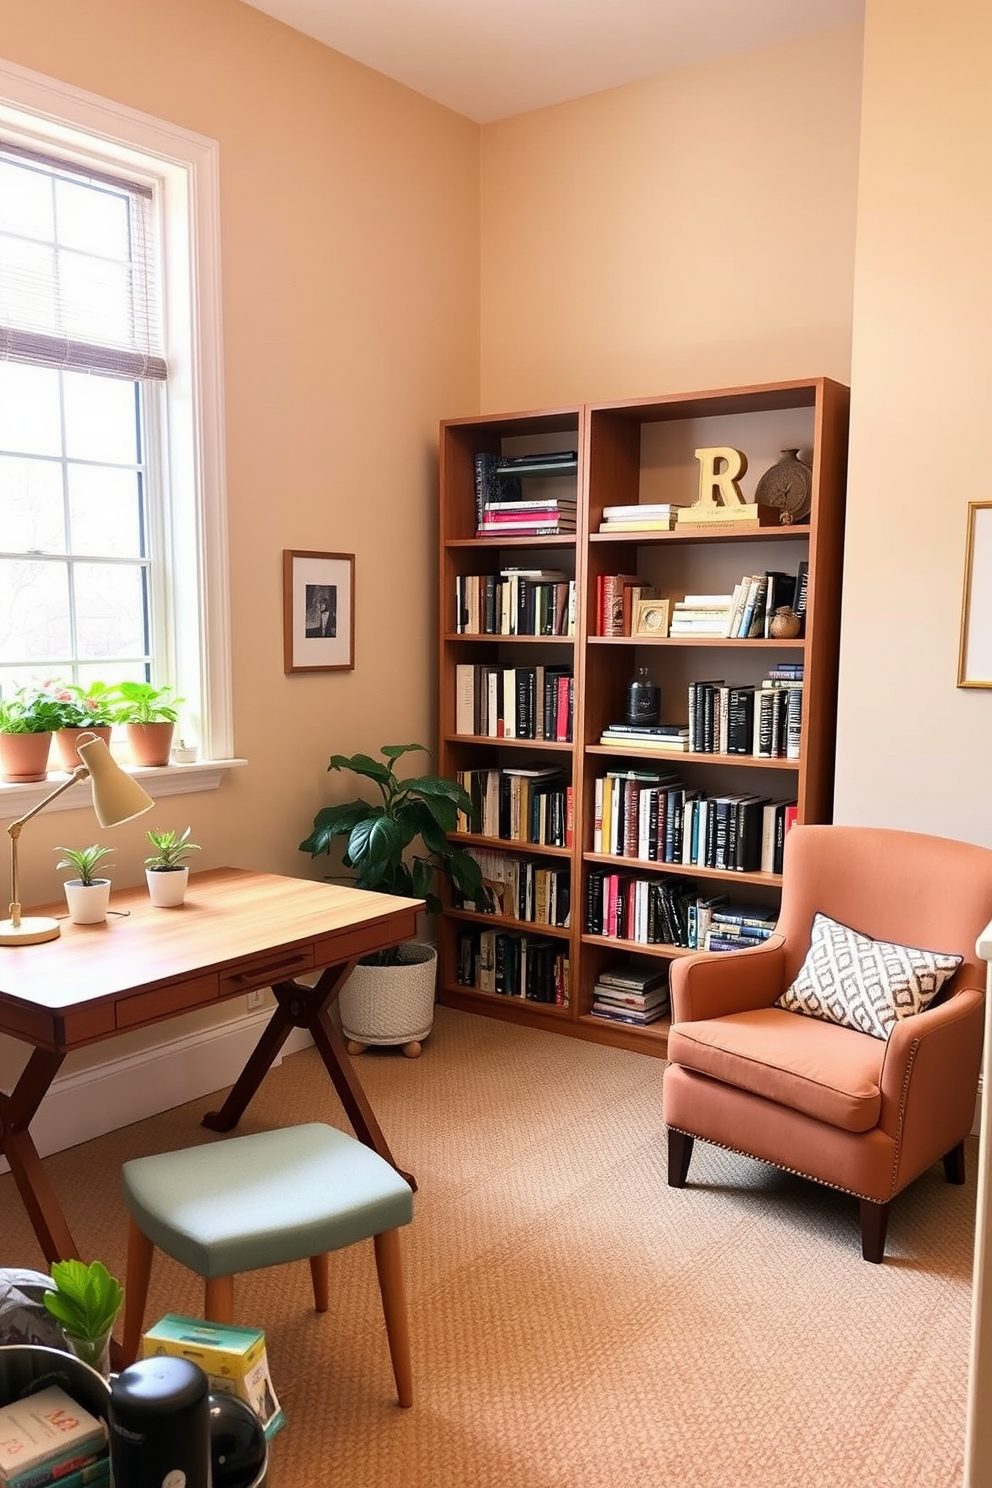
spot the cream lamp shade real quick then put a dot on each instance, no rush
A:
(117, 798)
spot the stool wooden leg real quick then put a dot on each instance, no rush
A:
(389, 1265)
(218, 1300)
(140, 1251)
(318, 1273)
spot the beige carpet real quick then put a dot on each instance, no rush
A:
(576, 1324)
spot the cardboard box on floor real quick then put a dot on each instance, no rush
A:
(234, 1360)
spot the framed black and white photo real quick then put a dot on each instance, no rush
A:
(975, 651)
(318, 611)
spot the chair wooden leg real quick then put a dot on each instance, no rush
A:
(140, 1251)
(679, 1155)
(218, 1299)
(874, 1223)
(954, 1164)
(318, 1273)
(389, 1265)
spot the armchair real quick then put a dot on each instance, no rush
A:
(859, 1113)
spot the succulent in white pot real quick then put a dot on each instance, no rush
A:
(165, 872)
(86, 895)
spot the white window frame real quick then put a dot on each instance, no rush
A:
(184, 169)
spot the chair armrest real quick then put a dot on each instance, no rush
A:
(715, 983)
(930, 1059)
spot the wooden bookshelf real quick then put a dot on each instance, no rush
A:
(642, 451)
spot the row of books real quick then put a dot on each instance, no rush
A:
(517, 601)
(627, 992)
(655, 516)
(722, 926)
(617, 597)
(764, 720)
(670, 911)
(658, 819)
(514, 702)
(530, 967)
(518, 804)
(521, 889)
(46, 1437)
(747, 612)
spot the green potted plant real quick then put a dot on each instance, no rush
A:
(380, 843)
(90, 709)
(165, 871)
(149, 714)
(85, 1300)
(27, 721)
(87, 895)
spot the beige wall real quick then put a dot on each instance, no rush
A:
(692, 231)
(350, 228)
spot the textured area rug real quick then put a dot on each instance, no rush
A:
(575, 1322)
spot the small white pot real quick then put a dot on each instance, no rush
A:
(87, 902)
(167, 886)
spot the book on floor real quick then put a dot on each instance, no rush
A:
(44, 1430)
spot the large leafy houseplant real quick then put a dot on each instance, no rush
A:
(381, 837)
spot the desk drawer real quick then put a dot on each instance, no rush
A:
(162, 1002)
(262, 970)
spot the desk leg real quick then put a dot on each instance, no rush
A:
(274, 1035)
(17, 1111)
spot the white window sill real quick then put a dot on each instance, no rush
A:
(159, 780)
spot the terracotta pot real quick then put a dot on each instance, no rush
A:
(24, 757)
(151, 743)
(65, 744)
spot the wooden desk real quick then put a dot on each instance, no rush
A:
(237, 931)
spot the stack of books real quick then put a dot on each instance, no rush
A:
(670, 738)
(48, 1438)
(630, 993)
(701, 615)
(642, 517)
(733, 927)
(507, 508)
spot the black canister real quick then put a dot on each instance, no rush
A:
(643, 699)
(160, 1425)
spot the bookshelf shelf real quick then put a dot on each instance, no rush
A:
(637, 453)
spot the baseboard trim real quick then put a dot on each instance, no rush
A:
(91, 1102)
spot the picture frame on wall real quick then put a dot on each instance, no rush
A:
(975, 650)
(318, 611)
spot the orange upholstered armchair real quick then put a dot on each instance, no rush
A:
(811, 1091)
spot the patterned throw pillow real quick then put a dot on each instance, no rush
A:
(861, 983)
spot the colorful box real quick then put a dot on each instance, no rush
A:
(234, 1360)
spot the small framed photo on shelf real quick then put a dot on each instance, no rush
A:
(651, 618)
(975, 650)
(318, 598)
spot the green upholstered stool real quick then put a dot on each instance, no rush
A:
(261, 1200)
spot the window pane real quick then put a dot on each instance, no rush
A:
(104, 511)
(26, 201)
(27, 274)
(92, 219)
(29, 410)
(96, 299)
(34, 611)
(110, 616)
(32, 511)
(101, 421)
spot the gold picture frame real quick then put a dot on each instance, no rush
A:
(652, 617)
(318, 599)
(975, 647)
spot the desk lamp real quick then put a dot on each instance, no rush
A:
(117, 798)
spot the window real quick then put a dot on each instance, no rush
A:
(112, 535)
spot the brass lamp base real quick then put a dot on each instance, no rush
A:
(29, 931)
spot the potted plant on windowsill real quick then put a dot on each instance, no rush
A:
(27, 722)
(91, 709)
(165, 872)
(389, 998)
(87, 896)
(150, 716)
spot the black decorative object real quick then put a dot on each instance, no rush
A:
(643, 699)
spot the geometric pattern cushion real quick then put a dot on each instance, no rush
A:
(861, 983)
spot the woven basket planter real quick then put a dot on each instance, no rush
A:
(391, 1004)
